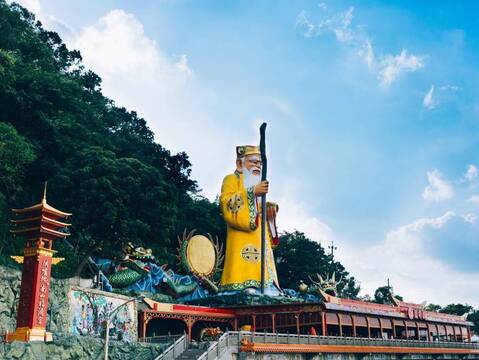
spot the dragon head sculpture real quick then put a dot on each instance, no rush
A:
(327, 284)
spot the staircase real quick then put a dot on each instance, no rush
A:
(191, 354)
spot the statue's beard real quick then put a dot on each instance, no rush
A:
(250, 179)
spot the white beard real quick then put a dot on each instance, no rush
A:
(250, 179)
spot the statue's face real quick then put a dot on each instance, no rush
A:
(252, 163)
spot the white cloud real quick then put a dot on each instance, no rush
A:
(429, 102)
(471, 174)
(388, 67)
(366, 52)
(303, 21)
(405, 257)
(438, 189)
(323, 6)
(117, 44)
(450, 88)
(474, 199)
(182, 65)
(392, 66)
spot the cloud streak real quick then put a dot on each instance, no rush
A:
(388, 67)
(439, 189)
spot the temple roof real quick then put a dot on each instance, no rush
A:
(43, 206)
(401, 309)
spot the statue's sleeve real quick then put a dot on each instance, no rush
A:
(238, 205)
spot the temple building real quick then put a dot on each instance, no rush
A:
(331, 317)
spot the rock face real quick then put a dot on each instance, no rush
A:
(78, 348)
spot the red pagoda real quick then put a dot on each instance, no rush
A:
(39, 225)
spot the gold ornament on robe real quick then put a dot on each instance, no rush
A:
(242, 213)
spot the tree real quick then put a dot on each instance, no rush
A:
(456, 309)
(298, 258)
(433, 307)
(474, 317)
(382, 295)
(16, 153)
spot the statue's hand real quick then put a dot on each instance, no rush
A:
(262, 188)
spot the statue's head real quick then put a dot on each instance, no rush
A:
(248, 163)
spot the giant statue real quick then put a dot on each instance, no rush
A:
(242, 212)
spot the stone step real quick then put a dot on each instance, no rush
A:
(191, 354)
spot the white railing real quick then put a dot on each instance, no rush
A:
(175, 349)
(275, 338)
(216, 349)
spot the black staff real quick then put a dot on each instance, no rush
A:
(262, 148)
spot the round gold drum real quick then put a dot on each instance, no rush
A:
(201, 255)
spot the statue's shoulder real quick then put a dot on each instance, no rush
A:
(234, 177)
(231, 180)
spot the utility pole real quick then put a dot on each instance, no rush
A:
(332, 248)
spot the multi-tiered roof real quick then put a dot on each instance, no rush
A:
(40, 224)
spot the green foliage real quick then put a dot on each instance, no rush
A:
(16, 153)
(474, 317)
(382, 295)
(456, 309)
(298, 258)
(433, 307)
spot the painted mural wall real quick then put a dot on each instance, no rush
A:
(88, 310)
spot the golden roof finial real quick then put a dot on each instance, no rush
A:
(44, 200)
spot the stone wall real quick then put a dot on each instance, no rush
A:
(78, 348)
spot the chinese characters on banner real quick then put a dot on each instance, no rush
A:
(44, 284)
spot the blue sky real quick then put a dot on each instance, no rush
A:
(372, 111)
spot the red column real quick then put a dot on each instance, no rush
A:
(340, 325)
(33, 302)
(273, 325)
(324, 325)
(354, 325)
(369, 328)
(297, 323)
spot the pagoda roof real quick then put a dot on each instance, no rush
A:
(43, 206)
(42, 218)
(41, 229)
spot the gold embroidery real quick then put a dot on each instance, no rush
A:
(235, 203)
(250, 253)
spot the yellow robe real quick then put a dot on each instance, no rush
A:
(242, 268)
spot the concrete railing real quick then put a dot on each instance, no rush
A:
(270, 338)
(216, 349)
(175, 349)
(162, 339)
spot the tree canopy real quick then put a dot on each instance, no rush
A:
(299, 258)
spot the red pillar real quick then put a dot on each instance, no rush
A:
(297, 323)
(340, 325)
(324, 325)
(353, 325)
